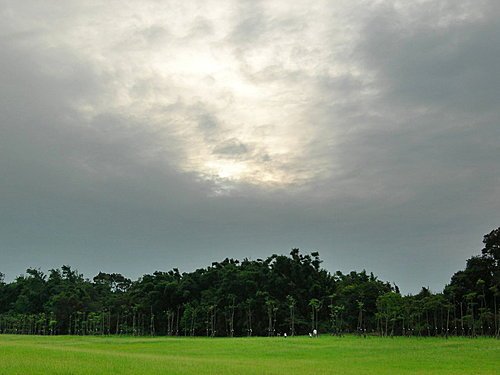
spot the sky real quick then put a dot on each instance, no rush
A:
(145, 135)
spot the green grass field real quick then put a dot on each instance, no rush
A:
(298, 355)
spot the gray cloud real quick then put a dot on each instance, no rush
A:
(181, 135)
(442, 56)
(231, 147)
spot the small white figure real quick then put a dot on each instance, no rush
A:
(315, 333)
(310, 334)
(284, 335)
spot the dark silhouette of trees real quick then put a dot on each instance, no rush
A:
(267, 297)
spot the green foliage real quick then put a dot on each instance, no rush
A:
(291, 294)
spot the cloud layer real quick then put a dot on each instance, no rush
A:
(155, 134)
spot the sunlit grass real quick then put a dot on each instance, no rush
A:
(298, 355)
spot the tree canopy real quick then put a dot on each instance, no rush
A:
(280, 294)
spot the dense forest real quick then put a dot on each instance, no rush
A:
(281, 294)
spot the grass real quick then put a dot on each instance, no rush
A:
(297, 355)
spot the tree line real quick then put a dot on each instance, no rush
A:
(264, 297)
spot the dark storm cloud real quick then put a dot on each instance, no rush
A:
(427, 60)
(419, 151)
(435, 112)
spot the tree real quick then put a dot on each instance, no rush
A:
(315, 305)
(389, 307)
(253, 297)
(271, 314)
(360, 326)
(291, 302)
(492, 246)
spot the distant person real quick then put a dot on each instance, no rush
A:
(284, 335)
(315, 333)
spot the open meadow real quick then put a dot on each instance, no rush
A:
(297, 355)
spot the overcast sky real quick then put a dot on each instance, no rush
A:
(144, 135)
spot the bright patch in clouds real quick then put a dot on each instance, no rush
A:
(199, 75)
